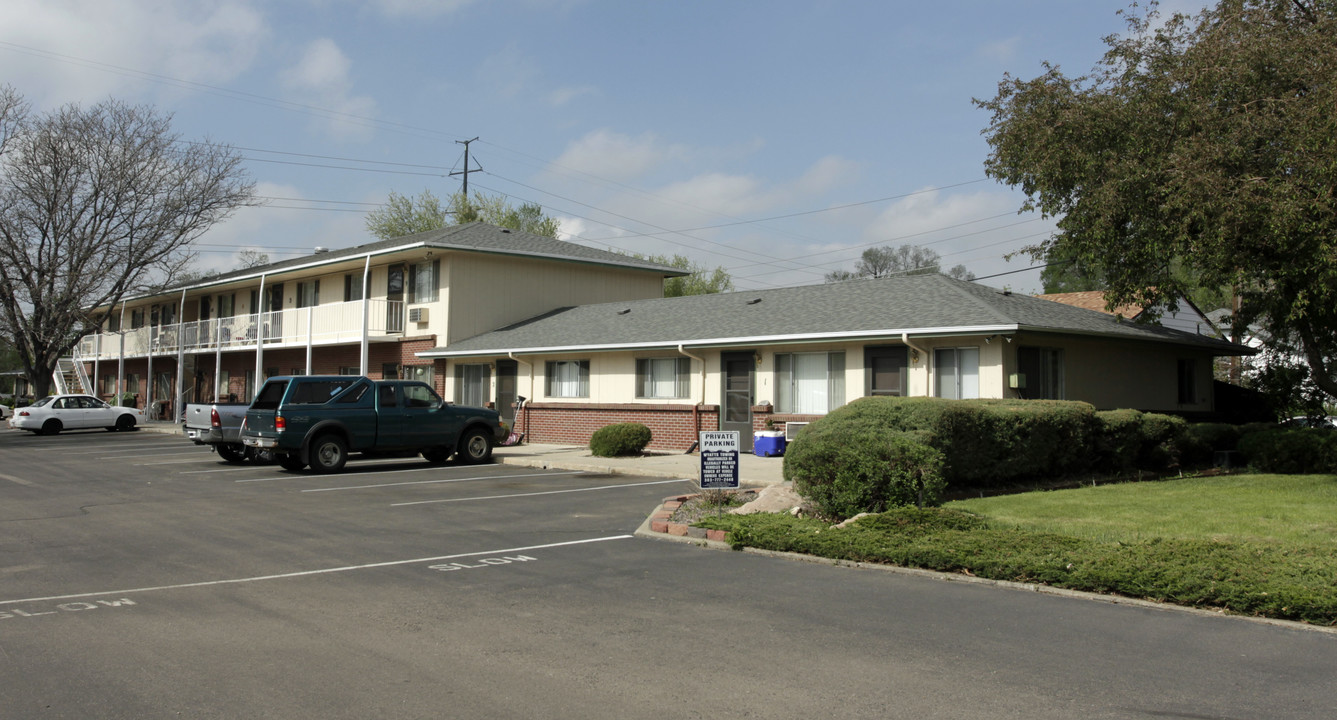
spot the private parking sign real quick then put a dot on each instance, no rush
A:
(719, 460)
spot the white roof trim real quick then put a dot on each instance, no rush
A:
(891, 334)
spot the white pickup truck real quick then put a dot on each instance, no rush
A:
(218, 425)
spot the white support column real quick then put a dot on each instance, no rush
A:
(259, 335)
(180, 360)
(120, 364)
(366, 314)
(97, 357)
(218, 360)
(310, 316)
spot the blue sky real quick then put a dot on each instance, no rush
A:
(777, 139)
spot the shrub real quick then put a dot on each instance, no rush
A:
(1201, 441)
(1300, 450)
(619, 439)
(1129, 440)
(844, 472)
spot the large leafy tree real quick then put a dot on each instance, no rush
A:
(405, 215)
(700, 281)
(95, 203)
(879, 262)
(1199, 152)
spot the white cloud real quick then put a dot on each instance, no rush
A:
(321, 77)
(564, 95)
(206, 42)
(614, 156)
(1001, 51)
(508, 72)
(279, 232)
(420, 8)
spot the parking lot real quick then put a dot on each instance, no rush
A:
(142, 577)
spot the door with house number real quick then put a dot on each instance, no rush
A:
(736, 397)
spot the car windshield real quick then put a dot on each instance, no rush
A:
(44, 401)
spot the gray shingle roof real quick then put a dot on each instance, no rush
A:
(474, 237)
(921, 305)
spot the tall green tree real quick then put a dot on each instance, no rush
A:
(95, 203)
(878, 262)
(1204, 143)
(701, 281)
(404, 215)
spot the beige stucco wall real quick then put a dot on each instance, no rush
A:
(488, 292)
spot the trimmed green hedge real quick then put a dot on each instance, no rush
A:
(619, 439)
(1291, 450)
(846, 471)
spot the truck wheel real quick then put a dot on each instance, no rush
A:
(329, 453)
(436, 455)
(231, 453)
(292, 463)
(475, 447)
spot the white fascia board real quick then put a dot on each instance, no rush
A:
(734, 341)
(564, 258)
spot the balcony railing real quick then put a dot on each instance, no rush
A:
(319, 325)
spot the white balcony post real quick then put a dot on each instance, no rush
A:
(366, 314)
(259, 335)
(97, 356)
(120, 363)
(218, 359)
(310, 316)
(180, 358)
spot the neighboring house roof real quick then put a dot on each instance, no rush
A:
(1094, 300)
(472, 237)
(920, 306)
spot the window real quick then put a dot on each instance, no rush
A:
(270, 395)
(316, 392)
(886, 370)
(352, 287)
(168, 316)
(388, 396)
(663, 377)
(473, 385)
(389, 371)
(1041, 369)
(421, 373)
(227, 305)
(225, 386)
(114, 322)
(308, 293)
(1188, 382)
(567, 378)
(132, 383)
(809, 383)
(420, 396)
(206, 307)
(345, 370)
(957, 373)
(136, 318)
(248, 388)
(354, 395)
(423, 281)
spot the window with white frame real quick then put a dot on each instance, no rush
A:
(473, 384)
(809, 383)
(421, 373)
(424, 278)
(669, 377)
(1041, 369)
(308, 293)
(352, 287)
(957, 373)
(567, 378)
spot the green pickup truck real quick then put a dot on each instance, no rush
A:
(318, 420)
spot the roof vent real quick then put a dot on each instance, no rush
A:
(624, 312)
(754, 301)
(506, 230)
(321, 250)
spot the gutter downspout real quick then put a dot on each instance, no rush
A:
(905, 338)
(259, 337)
(363, 344)
(511, 354)
(696, 409)
(178, 408)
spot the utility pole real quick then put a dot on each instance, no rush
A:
(465, 172)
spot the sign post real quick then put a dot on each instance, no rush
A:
(719, 459)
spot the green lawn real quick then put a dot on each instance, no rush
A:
(1252, 544)
(1252, 508)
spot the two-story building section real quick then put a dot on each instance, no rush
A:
(361, 310)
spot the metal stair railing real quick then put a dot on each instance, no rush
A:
(81, 372)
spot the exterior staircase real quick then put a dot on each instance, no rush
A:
(70, 376)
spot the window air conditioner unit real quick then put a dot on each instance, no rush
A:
(792, 429)
(418, 315)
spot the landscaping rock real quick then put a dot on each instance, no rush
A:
(771, 499)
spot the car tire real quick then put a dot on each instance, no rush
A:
(230, 453)
(329, 454)
(436, 455)
(291, 463)
(51, 427)
(475, 447)
(125, 423)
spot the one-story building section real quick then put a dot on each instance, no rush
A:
(733, 361)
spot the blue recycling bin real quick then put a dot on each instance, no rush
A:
(768, 443)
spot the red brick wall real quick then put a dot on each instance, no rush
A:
(672, 428)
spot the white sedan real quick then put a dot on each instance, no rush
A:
(54, 413)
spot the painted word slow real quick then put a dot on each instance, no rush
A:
(14, 613)
(482, 563)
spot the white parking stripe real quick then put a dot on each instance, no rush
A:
(198, 459)
(20, 481)
(307, 573)
(445, 480)
(546, 492)
(156, 455)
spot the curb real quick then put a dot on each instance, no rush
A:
(659, 526)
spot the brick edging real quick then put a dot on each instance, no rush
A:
(660, 522)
